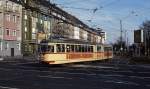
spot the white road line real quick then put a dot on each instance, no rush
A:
(50, 76)
(91, 66)
(122, 82)
(123, 71)
(3, 87)
(114, 75)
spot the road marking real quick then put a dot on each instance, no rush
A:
(92, 66)
(122, 82)
(122, 71)
(114, 75)
(2, 87)
(50, 76)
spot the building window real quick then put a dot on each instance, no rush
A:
(14, 33)
(14, 19)
(6, 4)
(18, 46)
(1, 31)
(18, 19)
(33, 33)
(17, 8)
(1, 45)
(13, 8)
(8, 17)
(25, 1)
(0, 3)
(7, 32)
(7, 45)
(25, 17)
(25, 34)
(33, 36)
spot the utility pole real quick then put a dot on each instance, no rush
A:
(121, 38)
(145, 41)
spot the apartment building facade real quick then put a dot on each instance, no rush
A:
(10, 28)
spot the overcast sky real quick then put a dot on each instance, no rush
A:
(108, 13)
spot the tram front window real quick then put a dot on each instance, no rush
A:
(108, 49)
(50, 48)
(99, 48)
(43, 48)
(91, 48)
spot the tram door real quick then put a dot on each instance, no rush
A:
(12, 52)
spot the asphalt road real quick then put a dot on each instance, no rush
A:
(98, 75)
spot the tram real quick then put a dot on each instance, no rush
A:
(71, 52)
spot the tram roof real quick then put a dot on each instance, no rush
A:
(72, 41)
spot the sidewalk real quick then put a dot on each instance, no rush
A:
(19, 59)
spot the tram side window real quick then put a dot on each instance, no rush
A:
(98, 48)
(77, 48)
(110, 49)
(83, 48)
(107, 49)
(60, 47)
(72, 48)
(68, 47)
(91, 48)
(86, 49)
(50, 48)
(80, 48)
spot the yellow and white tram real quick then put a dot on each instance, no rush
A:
(64, 52)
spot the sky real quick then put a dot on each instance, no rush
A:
(132, 13)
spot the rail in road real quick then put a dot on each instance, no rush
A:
(33, 75)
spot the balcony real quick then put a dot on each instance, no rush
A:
(17, 9)
(11, 9)
(8, 9)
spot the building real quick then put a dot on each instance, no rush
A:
(10, 28)
(142, 41)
